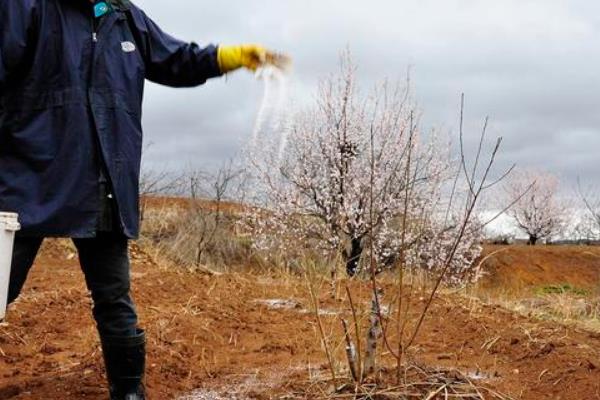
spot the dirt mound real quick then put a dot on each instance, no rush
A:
(242, 336)
(522, 267)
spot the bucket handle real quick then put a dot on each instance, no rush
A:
(12, 226)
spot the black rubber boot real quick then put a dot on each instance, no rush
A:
(125, 360)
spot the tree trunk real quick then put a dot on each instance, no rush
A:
(373, 336)
(532, 240)
(353, 257)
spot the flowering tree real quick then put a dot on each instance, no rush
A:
(356, 173)
(354, 178)
(538, 211)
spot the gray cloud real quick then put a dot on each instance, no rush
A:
(531, 65)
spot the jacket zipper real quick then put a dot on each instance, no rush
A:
(94, 23)
(103, 168)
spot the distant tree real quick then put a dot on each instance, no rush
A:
(538, 211)
(591, 200)
(156, 182)
(205, 218)
(585, 230)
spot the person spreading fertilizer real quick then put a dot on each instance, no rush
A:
(72, 78)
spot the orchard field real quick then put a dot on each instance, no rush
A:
(252, 333)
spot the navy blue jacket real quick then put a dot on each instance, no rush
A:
(69, 91)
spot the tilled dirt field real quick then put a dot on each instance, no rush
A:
(519, 267)
(244, 336)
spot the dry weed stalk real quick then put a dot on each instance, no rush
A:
(357, 333)
(351, 353)
(309, 276)
(475, 190)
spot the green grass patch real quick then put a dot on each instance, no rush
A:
(563, 288)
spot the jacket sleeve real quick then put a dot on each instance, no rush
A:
(170, 61)
(16, 35)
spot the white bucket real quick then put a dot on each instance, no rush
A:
(9, 224)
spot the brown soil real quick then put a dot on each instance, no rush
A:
(218, 335)
(523, 267)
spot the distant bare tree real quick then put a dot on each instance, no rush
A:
(205, 217)
(591, 201)
(156, 182)
(585, 231)
(539, 212)
(198, 229)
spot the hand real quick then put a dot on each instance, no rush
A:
(250, 56)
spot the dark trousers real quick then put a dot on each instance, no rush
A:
(105, 264)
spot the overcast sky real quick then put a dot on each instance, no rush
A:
(533, 66)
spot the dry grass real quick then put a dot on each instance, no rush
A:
(553, 283)
(420, 382)
(558, 303)
(196, 236)
(206, 237)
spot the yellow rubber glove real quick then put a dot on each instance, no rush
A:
(250, 56)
